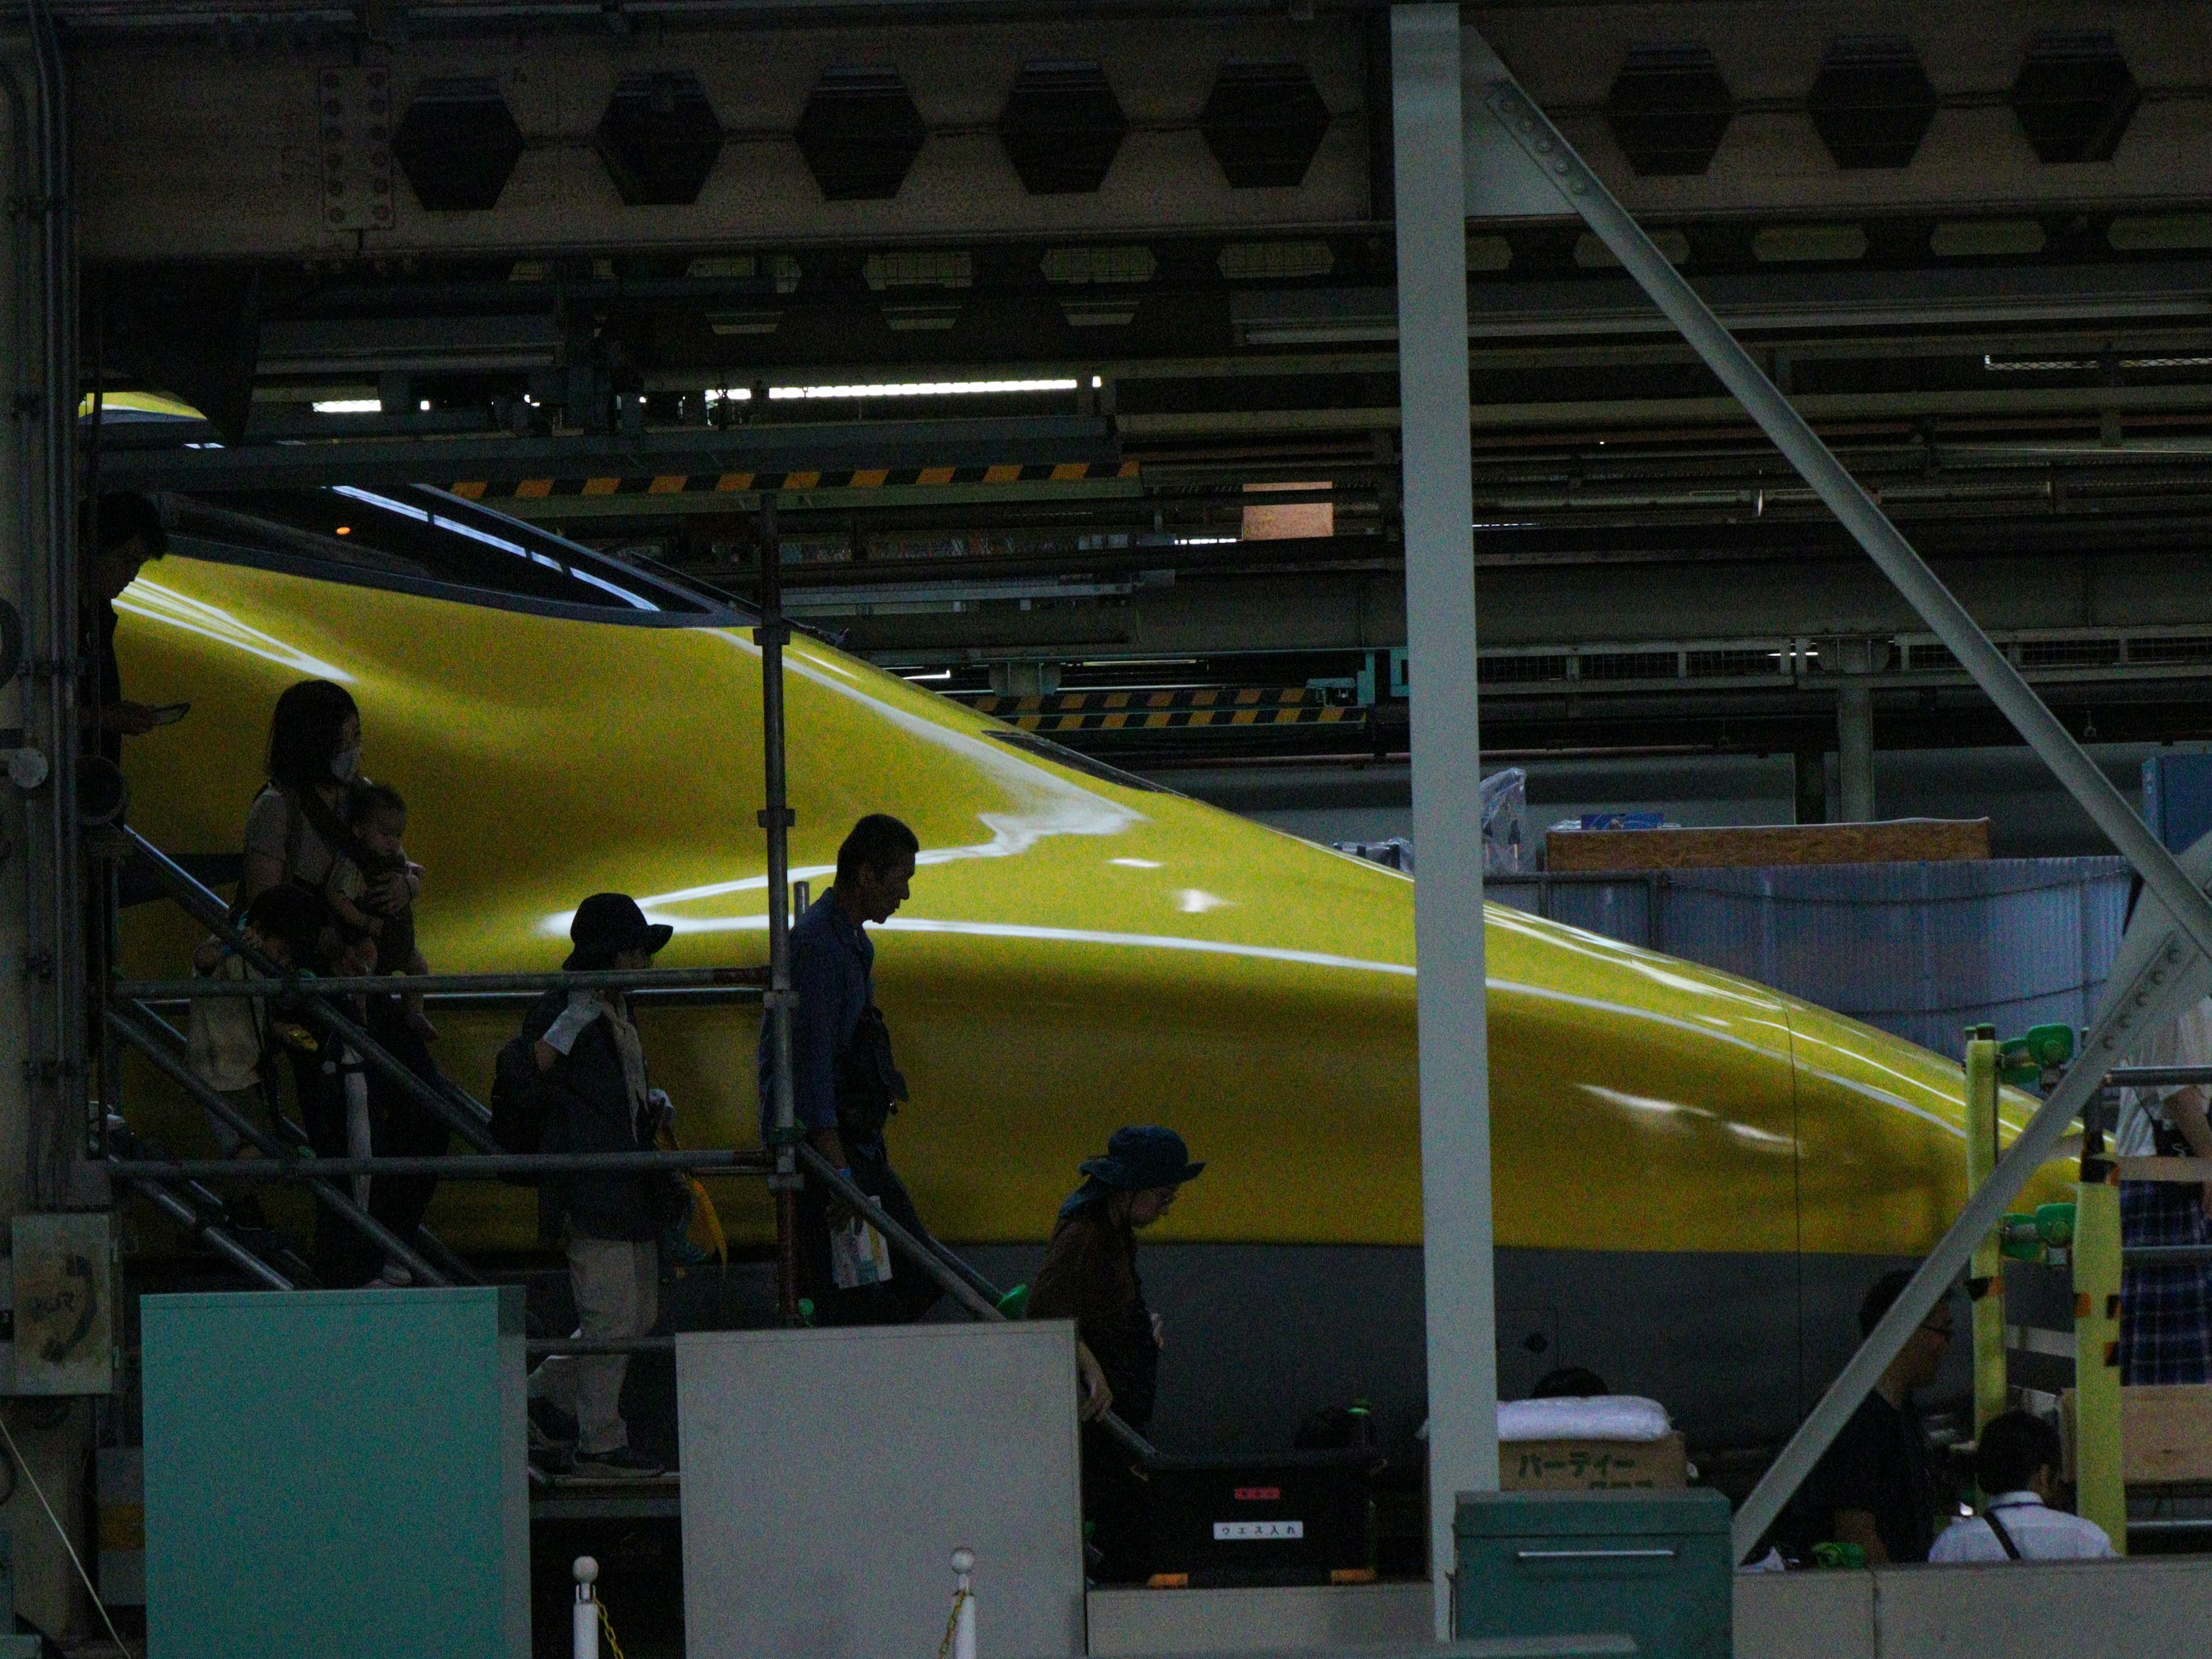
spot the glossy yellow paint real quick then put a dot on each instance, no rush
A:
(1077, 955)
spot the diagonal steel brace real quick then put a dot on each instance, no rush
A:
(2130, 1010)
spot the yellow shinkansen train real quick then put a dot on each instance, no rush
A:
(1695, 1175)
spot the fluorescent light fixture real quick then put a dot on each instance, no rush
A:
(918, 389)
(735, 394)
(1204, 541)
(941, 674)
(351, 406)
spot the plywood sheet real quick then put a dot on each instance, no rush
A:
(829, 1475)
(1905, 840)
(2165, 1432)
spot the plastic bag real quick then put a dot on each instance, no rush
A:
(1506, 846)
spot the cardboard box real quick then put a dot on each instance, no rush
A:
(2165, 1432)
(1591, 1464)
(1906, 841)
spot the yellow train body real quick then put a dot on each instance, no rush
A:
(1078, 953)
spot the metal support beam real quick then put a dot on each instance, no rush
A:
(1448, 931)
(776, 818)
(1855, 751)
(2130, 1008)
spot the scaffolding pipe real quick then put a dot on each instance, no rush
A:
(2188, 908)
(58, 1081)
(775, 817)
(200, 1228)
(449, 1104)
(304, 985)
(324, 1194)
(486, 1166)
(592, 1345)
(948, 1279)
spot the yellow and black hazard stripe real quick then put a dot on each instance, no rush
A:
(1142, 711)
(1142, 720)
(1217, 696)
(710, 483)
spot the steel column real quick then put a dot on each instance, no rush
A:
(776, 819)
(1447, 930)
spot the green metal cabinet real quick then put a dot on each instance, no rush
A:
(336, 1473)
(1653, 1565)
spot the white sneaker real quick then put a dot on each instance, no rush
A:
(394, 1277)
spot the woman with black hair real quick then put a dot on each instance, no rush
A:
(296, 831)
(315, 755)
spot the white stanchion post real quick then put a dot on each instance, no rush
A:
(963, 1604)
(586, 1618)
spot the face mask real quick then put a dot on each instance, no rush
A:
(345, 765)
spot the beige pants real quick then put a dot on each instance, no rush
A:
(617, 1285)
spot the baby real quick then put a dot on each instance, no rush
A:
(365, 898)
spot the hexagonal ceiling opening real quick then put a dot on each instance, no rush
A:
(1060, 127)
(458, 144)
(1264, 122)
(1872, 103)
(859, 133)
(2074, 96)
(659, 139)
(1669, 108)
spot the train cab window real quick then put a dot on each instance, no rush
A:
(422, 540)
(1074, 760)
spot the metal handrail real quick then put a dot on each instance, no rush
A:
(325, 1192)
(451, 1105)
(2143, 1077)
(961, 1282)
(308, 984)
(201, 1228)
(478, 1166)
(954, 1284)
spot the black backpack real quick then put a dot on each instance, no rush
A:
(519, 1103)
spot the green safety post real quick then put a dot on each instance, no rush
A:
(2040, 1236)
(2044, 1048)
(1985, 1284)
(2101, 1489)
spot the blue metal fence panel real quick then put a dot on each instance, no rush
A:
(1919, 950)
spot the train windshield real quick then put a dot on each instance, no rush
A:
(422, 540)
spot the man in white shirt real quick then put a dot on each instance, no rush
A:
(2016, 1463)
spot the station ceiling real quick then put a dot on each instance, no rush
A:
(631, 269)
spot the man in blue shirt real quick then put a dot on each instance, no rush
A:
(845, 1087)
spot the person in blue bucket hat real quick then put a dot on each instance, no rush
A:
(1090, 1276)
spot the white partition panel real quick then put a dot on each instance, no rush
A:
(829, 1475)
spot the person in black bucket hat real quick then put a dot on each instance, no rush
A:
(589, 1078)
(1090, 1275)
(606, 925)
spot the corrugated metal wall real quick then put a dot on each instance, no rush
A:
(1920, 950)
